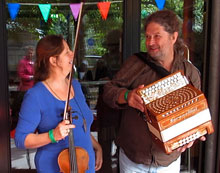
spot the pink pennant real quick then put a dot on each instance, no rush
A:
(75, 10)
(104, 9)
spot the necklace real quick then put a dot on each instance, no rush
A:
(81, 113)
(53, 90)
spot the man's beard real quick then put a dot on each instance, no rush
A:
(156, 56)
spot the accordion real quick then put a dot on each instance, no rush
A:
(176, 112)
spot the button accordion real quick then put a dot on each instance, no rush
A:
(176, 112)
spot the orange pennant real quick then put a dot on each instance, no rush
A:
(104, 9)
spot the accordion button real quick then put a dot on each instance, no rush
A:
(194, 136)
(190, 137)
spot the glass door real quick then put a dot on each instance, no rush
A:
(98, 56)
(192, 15)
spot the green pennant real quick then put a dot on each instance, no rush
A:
(45, 10)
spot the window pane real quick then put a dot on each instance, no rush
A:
(98, 55)
(191, 14)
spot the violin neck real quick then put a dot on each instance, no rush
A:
(72, 154)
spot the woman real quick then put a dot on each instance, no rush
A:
(26, 70)
(43, 106)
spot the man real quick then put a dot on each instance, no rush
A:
(138, 153)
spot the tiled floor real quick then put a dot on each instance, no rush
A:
(19, 157)
(24, 159)
(20, 163)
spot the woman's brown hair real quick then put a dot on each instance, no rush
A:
(51, 45)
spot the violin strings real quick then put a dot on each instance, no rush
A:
(72, 154)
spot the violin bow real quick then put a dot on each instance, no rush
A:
(65, 114)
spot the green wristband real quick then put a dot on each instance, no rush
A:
(126, 95)
(51, 136)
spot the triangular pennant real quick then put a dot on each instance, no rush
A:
(45, 10)
(13, 9)
(160, 4)
(104, 8)
(75, 10)
(144, 13)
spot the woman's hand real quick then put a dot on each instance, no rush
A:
(35, 140)
(98, 158)
(183, 148)
(98, 153)
(62, 130)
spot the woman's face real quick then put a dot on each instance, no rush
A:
(65, 60)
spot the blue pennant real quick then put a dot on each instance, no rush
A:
(160, 4)
(13, 9)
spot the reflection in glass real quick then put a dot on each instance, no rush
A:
(98, 56)
(191, 13)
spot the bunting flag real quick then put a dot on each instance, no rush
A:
(13, 9)
(144, 14)
(45, 10)
(160, 4)
(75, 10)
(104, 9)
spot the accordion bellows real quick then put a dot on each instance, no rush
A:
(176, 112)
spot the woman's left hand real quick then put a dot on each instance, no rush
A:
(98, 158)
(98, 153)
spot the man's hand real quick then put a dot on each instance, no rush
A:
(183, 148)
(134, 100)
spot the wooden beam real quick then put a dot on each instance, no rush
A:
(5, 155)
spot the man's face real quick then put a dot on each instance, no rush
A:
(159, 43)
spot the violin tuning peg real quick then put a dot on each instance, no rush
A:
(75, 117)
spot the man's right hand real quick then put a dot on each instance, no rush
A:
(134, 100)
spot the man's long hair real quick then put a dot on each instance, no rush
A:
(171, 24)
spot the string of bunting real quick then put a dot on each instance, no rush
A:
(103, 7)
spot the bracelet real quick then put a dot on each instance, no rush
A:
(51, 136)
(126, 95)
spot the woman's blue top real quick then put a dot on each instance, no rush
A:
(41, 112)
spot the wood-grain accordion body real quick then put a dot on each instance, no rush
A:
(176, 112)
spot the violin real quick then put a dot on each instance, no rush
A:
(80, 166)
(73, 159)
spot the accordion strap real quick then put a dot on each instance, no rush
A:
(159, 69)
